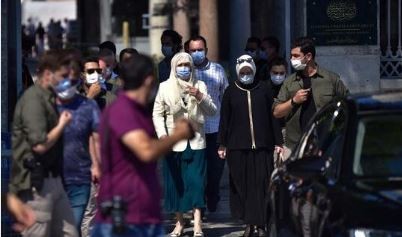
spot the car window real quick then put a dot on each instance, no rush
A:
(378, 150)
(325, 136)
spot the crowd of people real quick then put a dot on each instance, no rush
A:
(88, 135)
(37, 37)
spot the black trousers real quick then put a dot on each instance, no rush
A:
(215, 167)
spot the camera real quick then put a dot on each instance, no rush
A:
(37, 172)
(116, 209)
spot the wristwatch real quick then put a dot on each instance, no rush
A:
(292, 102)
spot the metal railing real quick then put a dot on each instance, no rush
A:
(391, 56)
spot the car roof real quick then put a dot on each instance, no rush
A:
(378, 101)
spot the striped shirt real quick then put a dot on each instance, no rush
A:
(214, 76)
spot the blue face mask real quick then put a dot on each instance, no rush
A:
(107, 73)
(246, 79)
(66, 89)
(277, 79)
(167, 51)
(62, 85)
(102, 79)
(183, 72)
(198, 57)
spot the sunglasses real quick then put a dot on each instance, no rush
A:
(92, 70)
(242, 60)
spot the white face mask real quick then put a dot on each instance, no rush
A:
(298, 65)
(67, 94)
(277, 79)
(246, 79)
(92, 78)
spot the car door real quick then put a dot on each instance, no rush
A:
(300, 199)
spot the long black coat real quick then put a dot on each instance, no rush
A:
(235, 128)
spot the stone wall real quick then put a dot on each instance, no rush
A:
(358, 66)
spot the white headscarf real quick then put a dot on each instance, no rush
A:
(178, 89)
(245, 63)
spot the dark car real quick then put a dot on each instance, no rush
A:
(345, 176)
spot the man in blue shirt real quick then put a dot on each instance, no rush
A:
(214, 76)
(80, 164)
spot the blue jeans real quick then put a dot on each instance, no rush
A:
(78, 195)
(145, 230)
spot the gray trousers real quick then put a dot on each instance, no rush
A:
(90, 211)
(54, 216)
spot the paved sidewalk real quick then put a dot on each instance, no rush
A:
(218, 224)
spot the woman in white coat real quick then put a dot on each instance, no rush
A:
(184, 170)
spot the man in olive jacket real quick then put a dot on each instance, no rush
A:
(37, 147)
(304, 92)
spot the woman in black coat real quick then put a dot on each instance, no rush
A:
(248, 136)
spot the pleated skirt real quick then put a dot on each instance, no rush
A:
(184, 178)
(249, 172)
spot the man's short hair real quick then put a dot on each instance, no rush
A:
(106, 53)
(306, 45)
(198, 37)
(273, 41)
(108, 45)
(135, 70)
(254, 40)
(176, 38)
(52, 60)
(131, 51)
(90, 59)
(278, 61)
